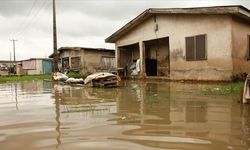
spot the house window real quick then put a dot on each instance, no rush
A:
(108, 62)
(75, 62)
(196, 48)
(65, 63)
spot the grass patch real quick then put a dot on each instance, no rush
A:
(224, 89)
(24, 78)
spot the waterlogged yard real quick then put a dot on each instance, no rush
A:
(138, 115)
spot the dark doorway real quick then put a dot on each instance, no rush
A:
(151, 67)
(157, 62)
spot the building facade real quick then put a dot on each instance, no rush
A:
(35, 66)
(86, 60)
(208, 43)
(7, 67)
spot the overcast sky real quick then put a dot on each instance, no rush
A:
(84, 23)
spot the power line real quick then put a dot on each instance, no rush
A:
(33, 19)
(26, 17)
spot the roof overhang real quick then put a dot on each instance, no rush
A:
(238, 11)
(83, 48)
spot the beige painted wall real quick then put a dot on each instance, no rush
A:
(90, 59)
(240, 32)
(218, 66)
(73, 53)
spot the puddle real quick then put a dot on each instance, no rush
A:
(138, 115)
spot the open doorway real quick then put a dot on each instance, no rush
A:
(128, 56)
(157, 61)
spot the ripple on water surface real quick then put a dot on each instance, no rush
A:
(137, 115)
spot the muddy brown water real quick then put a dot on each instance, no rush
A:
(136, 116)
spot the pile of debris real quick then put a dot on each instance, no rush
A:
(100, 79)
(64, 78)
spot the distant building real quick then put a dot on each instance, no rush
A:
(7, 67)
(85, 60)
(206, 43)
(36, 66)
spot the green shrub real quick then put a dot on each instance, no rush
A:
(76, 75)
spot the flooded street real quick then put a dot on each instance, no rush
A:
(138, 115)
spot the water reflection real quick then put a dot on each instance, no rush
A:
(178, 110)
(138, 115)
(245, 119)
(58, 123)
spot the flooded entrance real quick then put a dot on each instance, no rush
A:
(138, 115)
(157, 57)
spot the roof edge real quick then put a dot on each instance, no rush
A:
(237, 10)
(84, 48)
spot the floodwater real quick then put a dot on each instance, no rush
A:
(136, 116)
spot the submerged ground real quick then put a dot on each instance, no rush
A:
(138, 115)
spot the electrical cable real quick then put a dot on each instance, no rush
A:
(26, 18)
(33, 19)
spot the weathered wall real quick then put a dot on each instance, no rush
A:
(163, 60)
(73, 53)
(217, 28)
(159, 50)
(128, 54)
(240, 32)
(90, 59)
(38, 70)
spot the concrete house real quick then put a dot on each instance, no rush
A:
(35, 66)
(206, 43)
(86, 60)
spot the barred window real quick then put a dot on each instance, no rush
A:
(65, 63)
(196, 48)
(75, 62)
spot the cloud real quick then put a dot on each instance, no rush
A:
(79, 22)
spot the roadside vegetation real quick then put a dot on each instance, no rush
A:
(24, 78)
(37, 77)
(224, 89)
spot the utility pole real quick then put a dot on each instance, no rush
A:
(55, 66)
(14, 53)
(10, 56)
(14, 47)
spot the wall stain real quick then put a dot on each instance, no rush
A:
(177, 53)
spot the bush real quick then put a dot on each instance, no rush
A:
(76, 75)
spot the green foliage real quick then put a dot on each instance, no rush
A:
(24, 78)
(225, 89)
(76, 75)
